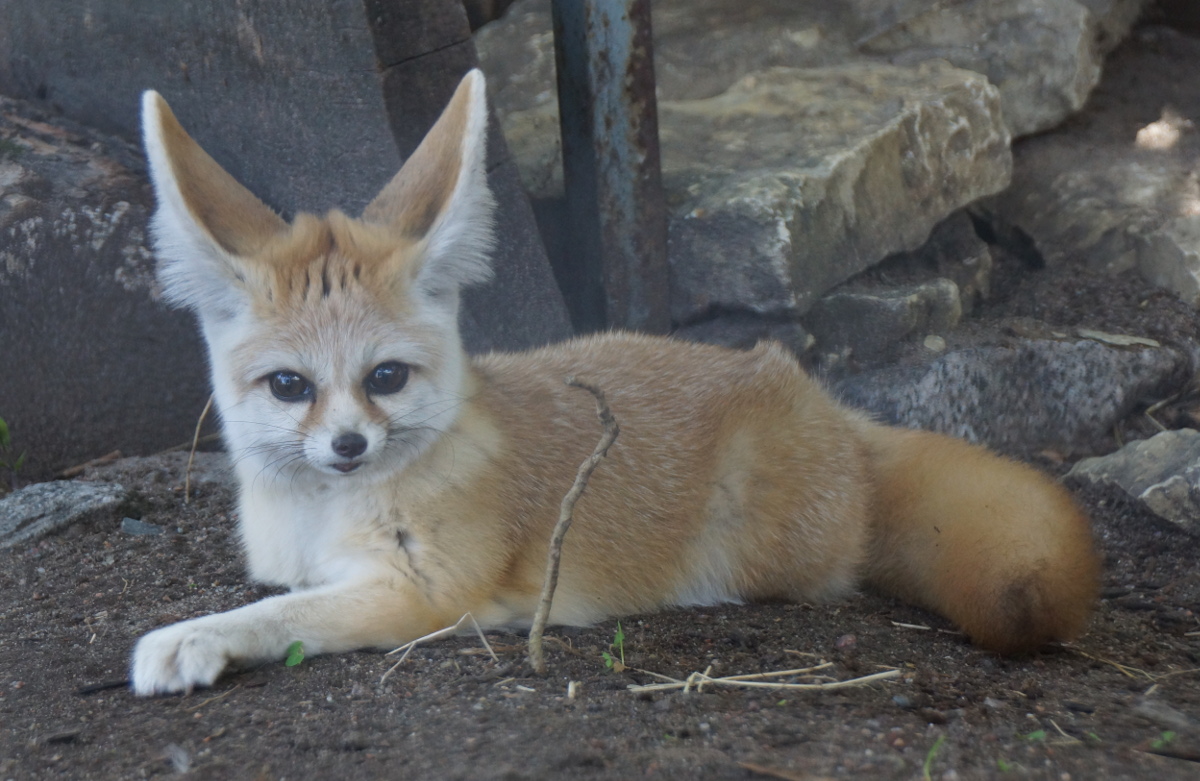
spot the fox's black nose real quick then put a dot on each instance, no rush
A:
(349, 445)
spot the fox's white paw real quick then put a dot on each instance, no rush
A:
(179, 657)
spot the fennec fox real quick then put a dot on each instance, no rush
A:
(395, 484)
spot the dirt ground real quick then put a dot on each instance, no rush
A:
(1123, 702)
(73, 605)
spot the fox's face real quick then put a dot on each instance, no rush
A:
(333, 341)
(333, 366)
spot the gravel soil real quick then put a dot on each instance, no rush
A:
(1119, 703)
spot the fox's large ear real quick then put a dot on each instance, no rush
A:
(205, 222)
(441, 197)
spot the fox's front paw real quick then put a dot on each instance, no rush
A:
(178, 658)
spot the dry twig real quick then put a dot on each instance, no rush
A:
(754, 681)
(187, 475)
(537, 659)
(76, 471)
(408, 647)
(211, 700)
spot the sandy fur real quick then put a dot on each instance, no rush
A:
(735, 476)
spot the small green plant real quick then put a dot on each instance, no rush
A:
(1003, 766)
(1163, 740)
(617, 663)
(295, 654)
(1037, 736)
(10, 149)
(7, 460)
(933, 750)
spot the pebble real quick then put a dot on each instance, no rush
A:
(140, 528)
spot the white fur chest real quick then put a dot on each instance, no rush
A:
(308, 536)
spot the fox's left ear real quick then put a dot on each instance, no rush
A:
(206, 223)
(441, 198)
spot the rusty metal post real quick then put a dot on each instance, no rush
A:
(611, 165)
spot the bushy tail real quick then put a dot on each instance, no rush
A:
(991, 544)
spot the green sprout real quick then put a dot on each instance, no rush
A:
(10, 149)
(295, 654)
(7, 460)
(933, 750)
(618, 644)
(1163, 740)
(1037, 736)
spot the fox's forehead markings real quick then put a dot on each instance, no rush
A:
(318, 257)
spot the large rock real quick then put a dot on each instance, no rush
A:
(1044, 55)
(91, 360)
(1117, 187)
(1161, 473)
(45, 508)
(307, 103)
(1025, 395)
(1041, 54)
(793, 180)
(867, 323)
(805, 141)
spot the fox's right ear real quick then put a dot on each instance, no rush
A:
(206, 222)
(441, 198)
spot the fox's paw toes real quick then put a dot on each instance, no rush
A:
(177, 658)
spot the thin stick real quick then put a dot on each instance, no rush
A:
(1069, 740)
(921, 627)
(537, 659)
(211, 700)
(76, 471)
(407, 648)
(779, 673)
(187, 475)
(1125, 669)
(1156, 406)
(701, 678)
(204, 440)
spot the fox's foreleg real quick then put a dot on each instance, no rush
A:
(380, 613)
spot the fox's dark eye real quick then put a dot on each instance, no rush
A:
(289, 386)
(387, 378)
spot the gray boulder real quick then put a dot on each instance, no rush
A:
(92, 360)
(1161, 473)
(1021, 396)
(793, 180)
(1117, 194)
(1043, 55)
(44, 508)
(1040, 54)
(867, 323)
(805, 141)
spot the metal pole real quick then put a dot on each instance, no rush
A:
(611, 165)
